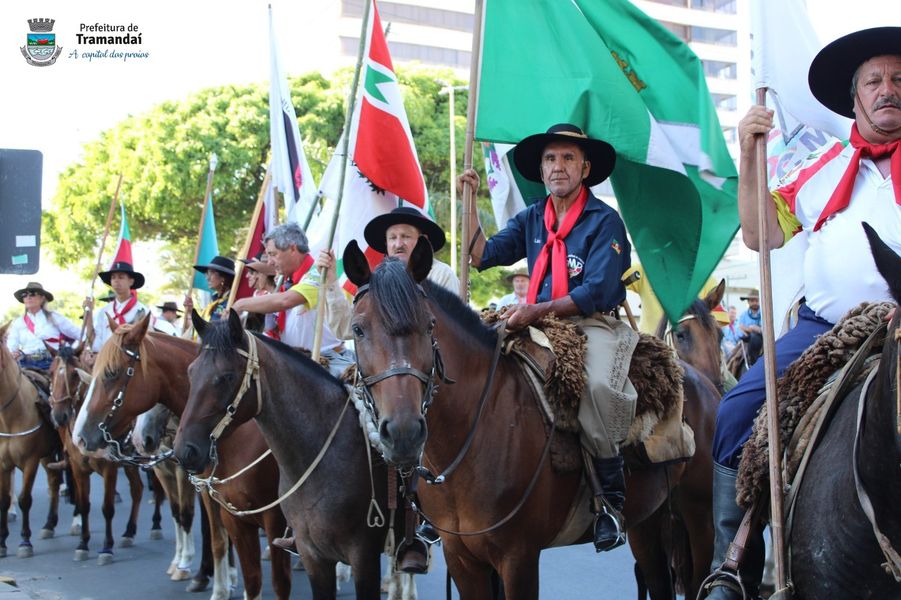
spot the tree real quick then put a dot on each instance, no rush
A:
(163, 155)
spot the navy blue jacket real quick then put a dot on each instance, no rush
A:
(598, 253)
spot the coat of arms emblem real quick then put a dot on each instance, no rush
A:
(41, 50)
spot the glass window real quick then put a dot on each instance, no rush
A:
(408, 13)
(409, 52)
(677, 29)
(720, 69)
(725, 101)
(709, 35)
(718, 6)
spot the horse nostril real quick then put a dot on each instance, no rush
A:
(385, 432)
(148, 442)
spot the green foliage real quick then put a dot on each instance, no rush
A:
(163, 155)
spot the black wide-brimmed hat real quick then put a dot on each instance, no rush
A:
(32, 286)
(377, 229)
(169, 306)
(123, 267)
(527, 153)
(833, 68)
(224, 265)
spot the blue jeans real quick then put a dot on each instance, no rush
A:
(42, 364)
(738, 409)
(338, 361)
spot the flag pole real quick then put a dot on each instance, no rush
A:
(206, 197)
(248, 241)
(109, 220)
(764, 208)
(320, 314)
(453, 178)
(472, 102)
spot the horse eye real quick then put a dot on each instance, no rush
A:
(358, 331)
(680, 336)
(431, 325)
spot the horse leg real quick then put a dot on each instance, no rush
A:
(366, 572)
(519, 573)
(54, 478)
(136, 486)
(698, 528)
(247, 543)
(201, 579)
(321, 574)
(28, 476)
(5, 502)
(110, 475)
(280, 561)
(472, 577)
(184, 498)
(80, 495)
(220, 551)
(159, 495)
(648, 548)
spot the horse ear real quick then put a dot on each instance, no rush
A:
(715, 296)
(83, 376)
(356, 267)
(887, 261)
(234, 326)
(113, 326)
(3, 329)
(421, 260)
(199, 324)
(137, 333)
(50, 349)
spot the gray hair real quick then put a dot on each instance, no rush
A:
(854, 79)
(287, 234)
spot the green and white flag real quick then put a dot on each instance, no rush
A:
(622, 77)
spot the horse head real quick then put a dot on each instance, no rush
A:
(397, 363)
(67, 381)
(150, 429)
(217, 389)
(696, 336)
(102, 419)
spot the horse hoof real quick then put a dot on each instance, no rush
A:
(104, 558)
(126, 542)
(156, 534)
(198, 585)
(12, 516)
(3, 552)
(180, 575)
(266, 554)
(75, 530)
(224, 594)
(80, 555)
(25, 551)
(171, 569)
(45, 534)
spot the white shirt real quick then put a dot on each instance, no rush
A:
(102, 331)
(164, 326)
(20, 337)
(300, 321)
(839, 271)
(509, 300)
(442, 274)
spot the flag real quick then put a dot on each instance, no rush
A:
(384, 170)
(208, 246)
(608, 68)
(290, 170)
(123, 246)
(783, 46)
(510, 192)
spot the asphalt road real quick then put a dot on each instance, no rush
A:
(138, 573)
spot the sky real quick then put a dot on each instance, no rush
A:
(191, 45)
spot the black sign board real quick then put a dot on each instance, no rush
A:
(20, 211)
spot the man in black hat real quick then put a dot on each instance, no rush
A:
(167, 322)
(857, 76)
(577, 252)
(126, 308)
(220, 274)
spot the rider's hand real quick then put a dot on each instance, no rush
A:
(520, 316)
(758, 120)
(326, 261)
(468, 176)
(88, 303)
(188, 303)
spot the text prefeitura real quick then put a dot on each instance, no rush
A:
(126, 34)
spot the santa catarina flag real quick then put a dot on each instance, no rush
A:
(209, 245)
(123, 246)
(608, 68)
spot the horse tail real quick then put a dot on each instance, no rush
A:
(682, 563)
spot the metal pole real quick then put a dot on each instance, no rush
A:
(351, 101)
(472, 101)
(764, 207)
(453, 179)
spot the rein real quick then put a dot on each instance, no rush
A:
(670, 332)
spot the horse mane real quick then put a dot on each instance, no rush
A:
(698, 309)
(112, 357)
(396, 300)
(299, 359)
(462, 315)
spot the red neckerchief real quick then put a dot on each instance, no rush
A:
(554, 250)
(282, 317)
(119, 316)
(29, 323)
(841, 197)
(54, 340)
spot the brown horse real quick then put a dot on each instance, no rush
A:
(136, 370)
(67, 387)
(26, 440)
(316, 438)
(500, 502)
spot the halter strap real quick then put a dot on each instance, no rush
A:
(251, 374)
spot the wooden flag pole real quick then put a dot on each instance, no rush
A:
(472, 102)
(248, 241)
(764, 208)
(351, 101)
(109, 220)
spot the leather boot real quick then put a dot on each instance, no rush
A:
(609, 527)
(727, 517)
(413, 557)
(286, 542)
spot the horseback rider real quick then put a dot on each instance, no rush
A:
(39, 327)
(220, 274)
(577, 252)
(749, 325)
(841, 185)
(125, 308)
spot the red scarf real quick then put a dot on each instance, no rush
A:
(30, 325)
(282, 317)
(841, 197)
(554, 250)
(118, 315)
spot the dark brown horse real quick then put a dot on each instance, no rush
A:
(305, 416)
(503, 499)
(834, 550)
(158, 365)
(26, 440)
(67, 387)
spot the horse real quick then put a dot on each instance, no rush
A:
(837, 547)
(498, 503)
(153, 429)
(26, 440)
(333, 496)
(136, 370)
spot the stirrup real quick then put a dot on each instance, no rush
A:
(722, 578)
(608, 512)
